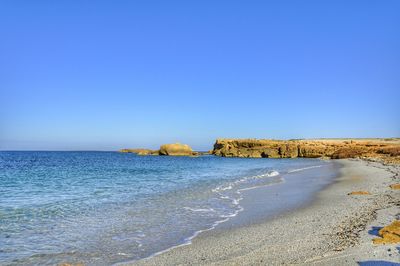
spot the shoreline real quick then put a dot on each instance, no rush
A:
(334, 226)
(249, 214)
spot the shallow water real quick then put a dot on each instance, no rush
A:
(106, 207)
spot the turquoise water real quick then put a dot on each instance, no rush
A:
(102, 208)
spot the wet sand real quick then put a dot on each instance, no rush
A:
(333, 229)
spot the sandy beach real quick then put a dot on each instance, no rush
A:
(334, 229)
(199, 133)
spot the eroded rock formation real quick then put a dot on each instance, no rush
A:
(141, 151)
(389, 234)
(388, 149)
(175, 149)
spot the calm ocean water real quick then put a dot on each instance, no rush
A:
(102, 208)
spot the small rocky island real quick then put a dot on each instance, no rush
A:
(176, 149)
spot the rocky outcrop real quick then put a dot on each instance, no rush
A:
(387, 150)
(140, 151)
(330, 148)
(389, 234)
(176, 149)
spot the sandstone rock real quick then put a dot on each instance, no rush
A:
(390, 234)
(359, 193)
(270, 153)
(148, 152)
(311, 151)
(289, 150)
(386, 149)
(125, 150)
(345, 153)
(392, 151)
(176, 149)
(395, 186)
(140, 151)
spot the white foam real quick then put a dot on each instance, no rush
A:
(229, 215)
(269, 174)
(267, 185)
(188, 240)
(221, 188)
(199, 210)
(225, 217)
(242, 180)
(236, 201)
(226, 188)
(305, 168)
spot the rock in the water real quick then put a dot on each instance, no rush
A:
(176, 149)
(140, 151)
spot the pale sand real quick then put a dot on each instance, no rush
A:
(333, 230)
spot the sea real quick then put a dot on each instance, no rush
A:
(105, 208)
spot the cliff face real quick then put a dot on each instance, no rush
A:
(334, 148)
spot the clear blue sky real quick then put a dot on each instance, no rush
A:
(103, 75)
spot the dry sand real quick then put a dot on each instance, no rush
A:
(335, 229)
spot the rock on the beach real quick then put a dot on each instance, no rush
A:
(359, 193)
(176, 149)
(395, 186)
(390, 234)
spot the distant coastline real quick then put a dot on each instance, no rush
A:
(230, 209)
(384, 149)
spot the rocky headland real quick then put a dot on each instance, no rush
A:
(387, 150)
